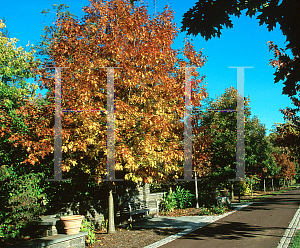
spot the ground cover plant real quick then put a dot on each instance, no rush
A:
(296, 240)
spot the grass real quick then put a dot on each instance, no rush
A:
(296, 240)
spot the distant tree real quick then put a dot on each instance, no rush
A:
(286, 139)
(221, 127)
(287, 167)
(259, 160)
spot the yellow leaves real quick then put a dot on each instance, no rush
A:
(2, 24)
(65, 168)
(64, 149)
(73, 162)
(142, 90)
(118, 166)
(70, 146)
(153, 163)
(90, 141)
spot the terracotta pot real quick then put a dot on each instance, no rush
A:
(214, 194)
(224, 192)
(72, 223)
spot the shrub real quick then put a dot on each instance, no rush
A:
(205, 211)
(218, 209)
(88, 227)
(183, 198)
(169, 203)
(213, 210)
(20, 203)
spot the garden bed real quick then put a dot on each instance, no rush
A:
(132, 238)
(196, 211)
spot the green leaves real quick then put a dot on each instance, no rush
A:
(20, 201)
(181, 198)
(15, 66)
(88, 227)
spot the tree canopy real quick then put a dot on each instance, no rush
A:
(209, 17)
(149, 91)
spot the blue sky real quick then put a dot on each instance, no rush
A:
(243, 45)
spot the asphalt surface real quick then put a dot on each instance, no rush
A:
(261, 224)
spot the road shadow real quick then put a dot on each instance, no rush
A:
(231, 231)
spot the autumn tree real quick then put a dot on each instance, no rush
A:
(149, 92)
(288, 134)
(3, 29)
(285, 141)
(287, 167)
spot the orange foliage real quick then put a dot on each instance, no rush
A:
(287, 170)
(149, 92)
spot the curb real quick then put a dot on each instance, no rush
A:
(189, 230)
(290, 231)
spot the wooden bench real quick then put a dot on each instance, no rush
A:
(139, 207)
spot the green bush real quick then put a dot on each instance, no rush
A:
(169, 203)
(213, 210)
(21, 197)
(218, 209)
(181, 198)
(184, 198)
(205, 211)
(88, 227)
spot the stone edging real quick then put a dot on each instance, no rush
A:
(189, 230)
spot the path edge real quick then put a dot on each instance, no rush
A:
(189, 230)
(290, 231)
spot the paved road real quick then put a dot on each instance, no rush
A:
(259, 225)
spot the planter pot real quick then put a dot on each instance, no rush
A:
(224, 192)
(214, 194)
(72, 223)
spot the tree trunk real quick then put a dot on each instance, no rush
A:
(283, 183)
(264, 185)
(272, 185)
(196, 191)
(111, 214)
(251, 187)
(232, 193)
(288, 182)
